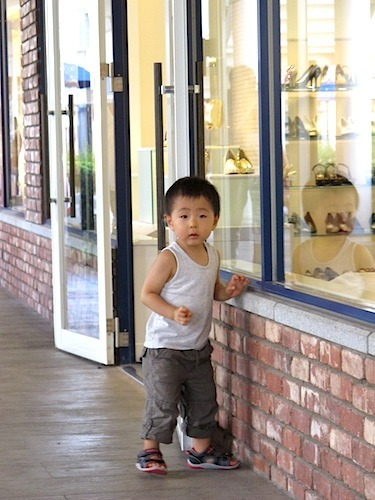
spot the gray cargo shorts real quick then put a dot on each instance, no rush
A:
(178, 382)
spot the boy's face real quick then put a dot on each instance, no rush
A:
(192, 219)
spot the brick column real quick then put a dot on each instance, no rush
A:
(31, 110)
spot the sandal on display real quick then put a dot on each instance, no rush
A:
(332, 224)
(230, 165)
(151, 461)
(211, 459)
(321, 177)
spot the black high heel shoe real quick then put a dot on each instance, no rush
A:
(310, 223)
(310, 77)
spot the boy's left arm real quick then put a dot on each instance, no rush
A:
(233, 288)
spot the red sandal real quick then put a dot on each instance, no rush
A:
(151, 456)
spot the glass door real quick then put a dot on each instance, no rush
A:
(80, 111)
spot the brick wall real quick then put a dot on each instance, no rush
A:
(301, 409)
(25, 267)
(31, 110)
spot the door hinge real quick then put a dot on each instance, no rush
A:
(121, 337)
(116, 81)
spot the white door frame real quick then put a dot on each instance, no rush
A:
(98, 349)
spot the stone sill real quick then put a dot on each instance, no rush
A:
(349, 333)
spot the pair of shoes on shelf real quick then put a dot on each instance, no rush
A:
(331, 174)
(237, 164)
(336, 76)
(339, 223)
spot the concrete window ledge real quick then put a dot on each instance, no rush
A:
(308, 319)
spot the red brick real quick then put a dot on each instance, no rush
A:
(310, 452)
(330, 354)
(254, 395)
(235, 341)
(274, 431)
(363, 455)
(303, 472)
(279, 478)
(341, 442)
(217, 354)
(258, 421)
(320, 377)
(268, 450)
(292, 441)
(341, 387)
(292, 391)
(243, 411)
(223, 419)
(258, 373)
(251, 347)
(239, 387)
(296, 489)
(331, 463)
(300, 369)
(266, 402)
(257, 325)
(370, 371)
(261, 466)
(242, 365)
(311, 399)
(282, 410)
(290, 338)
(222, 377)
(340, 492)
(227, 313)
(254, 440)
(330, 409)
(353, 364)
(216, 309)
(322, 483)
(369, 431)
(353, 476)
(285, 461)
(351, 421)
(241, 319)
(273, 331)
(320, 431)
(240, 430)
(310, 346)
(221, 334)
(274, 382)
(370, 486)
(364, 399)
(301, 420)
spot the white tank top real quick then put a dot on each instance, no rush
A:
(192, 286)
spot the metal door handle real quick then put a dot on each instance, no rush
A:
(72, 182)
(159, 154)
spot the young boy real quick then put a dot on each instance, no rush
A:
(180, 289)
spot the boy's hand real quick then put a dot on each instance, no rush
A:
(236, 285)
(182, 315)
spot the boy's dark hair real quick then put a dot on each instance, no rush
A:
(192, 187)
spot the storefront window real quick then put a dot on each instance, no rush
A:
(17, 168)
(230, 59)
(328, 113)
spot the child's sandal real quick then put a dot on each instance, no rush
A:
(151, 456)
(210, 459)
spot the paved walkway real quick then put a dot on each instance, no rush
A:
(69, 428)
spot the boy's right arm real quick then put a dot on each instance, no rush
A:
(162, 271)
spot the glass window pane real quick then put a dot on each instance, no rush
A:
(230, 58)
(17, 165)
(328, 91)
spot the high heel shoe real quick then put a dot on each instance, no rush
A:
(310, 77)
(372, 222)
(230, 165)
(300, 128)
(310, 223)
(290, 130)
(289, 81)
(244, 165)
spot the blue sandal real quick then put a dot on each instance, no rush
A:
(151, 456)
(210, 459)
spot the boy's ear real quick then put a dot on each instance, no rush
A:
(168, 220)
(216, 220)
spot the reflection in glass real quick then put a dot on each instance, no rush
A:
(17, 161)
(78, 62)
(230, 58)
(328, 104)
